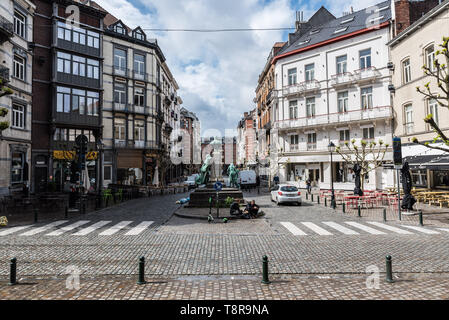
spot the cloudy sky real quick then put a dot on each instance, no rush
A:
(217, 72)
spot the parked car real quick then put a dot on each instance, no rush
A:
(191, 181)
(284, 193)
(247, 178)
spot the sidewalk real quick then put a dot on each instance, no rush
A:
(406, 287)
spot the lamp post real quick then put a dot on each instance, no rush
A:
(331, 148)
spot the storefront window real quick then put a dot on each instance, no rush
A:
(441, 178)
(419, 178)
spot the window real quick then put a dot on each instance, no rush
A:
(139, 64)
(310, 72)
(93, 69)
(19, 67)
(139, 96)
(310, 107)
(19, 23)
(120, 129)
(430, 57)
(93, 103)
(60, 134)
(419, 178)
(367, 98)
(79, 101)
(63, 99)
(344, 135)
(341, 30)
(107, 174)
(93, 39)
(368, 133)
(408, 119)
(120, 93)
(139, 35)
(18, 116)
(342, 101)
(120, 29)
(64, 32)
(292, 77)
(17, 164)
(311, 141)
(365, 59)
(79, 35)
(406, 72)
(342, 64)
(64, 61)
(294, 141)
(79, 66)
(293, 109)
(433, 109)
(347, 20)
(119, 60)
(139, 130)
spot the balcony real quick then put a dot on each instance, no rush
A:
(6, 29)
(128, 108)
(342, 80)
(366, 75)
(120, 71)
(135, 144)
(121, 107)
(4, 73)
(301, 88)
(409, 128)
(167, 100)
(376, 113)
(311, 146)
(293, 148)
(272, 95)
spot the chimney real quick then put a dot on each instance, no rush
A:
(408, 12)
(299, 20)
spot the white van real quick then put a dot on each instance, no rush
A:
(247, 178)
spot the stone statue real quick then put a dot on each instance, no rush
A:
(204, 176)
(233, 174)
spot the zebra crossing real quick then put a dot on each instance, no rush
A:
(79, 228)
(330, 228)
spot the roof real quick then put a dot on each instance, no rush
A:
(188, 114)
(321, 27)
(419, 23)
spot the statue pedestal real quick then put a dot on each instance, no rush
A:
(200, 197)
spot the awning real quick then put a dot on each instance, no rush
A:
(429, 162)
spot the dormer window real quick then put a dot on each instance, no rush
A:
(120, 28)
(139, 34)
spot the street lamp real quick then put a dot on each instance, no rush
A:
(331, 148)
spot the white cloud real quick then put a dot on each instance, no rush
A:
(217, 72)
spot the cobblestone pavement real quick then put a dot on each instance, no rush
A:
(333, 287)
(108, 244)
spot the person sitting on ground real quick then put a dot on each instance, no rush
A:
(235, 209)
(251, 209)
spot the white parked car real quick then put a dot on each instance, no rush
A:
(284, 193)
(247, 178)
(190, 181)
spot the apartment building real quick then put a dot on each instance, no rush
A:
(190, 152)
(141, 107)
(67, 93)
(16, 60)
(247, 140)
(333, 81)
(227, 147)
(411, 49)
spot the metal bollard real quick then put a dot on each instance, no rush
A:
(359, 211)
(389, 271)
(325, 202)
(420, 218)
(13, 272)
(35, 214)
(307, 195)
(66, 212)
(318, 200)
(344, 207)
(385, 214)
(312, 197)
(141, 271)
(265, 270)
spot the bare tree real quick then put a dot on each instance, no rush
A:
(369, 155)
(439, 73)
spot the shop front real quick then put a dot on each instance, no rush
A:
(130, 167)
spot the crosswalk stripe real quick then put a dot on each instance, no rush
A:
(427, 231)
(388, 227)
(92, 228)
(317, 229)
(293, 229)
(12, 230)
(43, 228)
(364, 228)
(115, 228)
(139, 228)
(340, 228)
(443, 229)
(70, 227)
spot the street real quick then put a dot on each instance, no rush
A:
(307, 245)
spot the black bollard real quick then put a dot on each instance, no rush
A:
(325, 202)
(389, 271)
(13, 272)
(66, 212)
(344, 207)
(265, 270)
(35, 214)
(385, 214)
(359, 211)
(307, 195)
(311, 196)
(141, 271)
(421, 223)
(318, 199)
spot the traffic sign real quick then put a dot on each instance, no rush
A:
(218, 186)
(397, 152)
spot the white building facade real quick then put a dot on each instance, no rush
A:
(332, 85)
